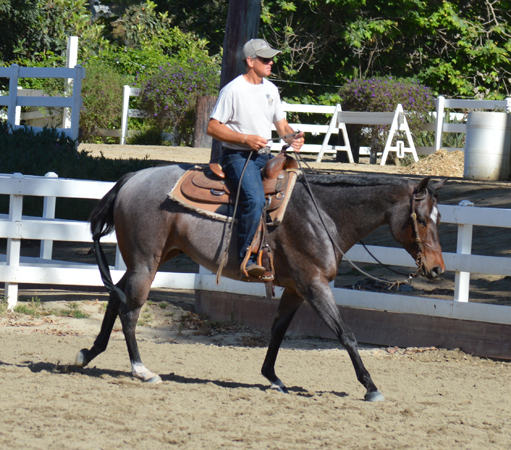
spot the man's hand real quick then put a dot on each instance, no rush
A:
(256, 142)
(295, 140)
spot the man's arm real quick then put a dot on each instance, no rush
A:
(223, 133)
(283, 129)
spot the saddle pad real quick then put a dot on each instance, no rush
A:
(199, 191)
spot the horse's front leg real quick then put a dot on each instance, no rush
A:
(289, 304)
(321, 298)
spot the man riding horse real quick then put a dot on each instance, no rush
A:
(241, 121)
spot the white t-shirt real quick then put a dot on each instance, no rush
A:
(248, 108)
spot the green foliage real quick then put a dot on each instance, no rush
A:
(72, 310)
(17, 17)
(382, 94)
(30, 307)
(146, 136)
(31, 153)
(3, 306)
(205, 18)
(459, 48)
(102, 100)
(144, 39)
(170, 95)
(37, 153)
(114, 52)
(46, 34)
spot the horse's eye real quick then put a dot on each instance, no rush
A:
(422, 221)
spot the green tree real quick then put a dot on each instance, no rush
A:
(18, 18)
(459, 47)
(205, 18)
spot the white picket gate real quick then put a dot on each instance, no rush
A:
(43, 270)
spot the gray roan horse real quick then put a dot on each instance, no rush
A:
(151, 229)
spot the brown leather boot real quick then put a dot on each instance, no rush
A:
(255, 270)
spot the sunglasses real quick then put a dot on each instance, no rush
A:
(265, 60)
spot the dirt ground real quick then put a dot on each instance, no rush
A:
(213, 395)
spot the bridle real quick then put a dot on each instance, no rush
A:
(416, 197)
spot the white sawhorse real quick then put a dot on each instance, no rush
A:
(396, 120)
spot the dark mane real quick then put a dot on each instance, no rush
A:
(354, 180)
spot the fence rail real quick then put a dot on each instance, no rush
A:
(14, 269)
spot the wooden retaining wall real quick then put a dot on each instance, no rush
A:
(370, 326)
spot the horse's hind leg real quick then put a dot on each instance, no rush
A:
(85, 356)
(137, 289)
(289, 304)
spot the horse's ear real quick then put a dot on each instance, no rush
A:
(423, 185)
(439, 184)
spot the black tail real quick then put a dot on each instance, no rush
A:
(101, 224)
(102, 218)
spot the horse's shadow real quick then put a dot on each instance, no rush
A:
(94, 372)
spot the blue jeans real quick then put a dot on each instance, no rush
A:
(252, 201)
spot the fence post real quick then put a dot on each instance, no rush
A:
(17, 119)
(464, 247)
(72, 58)
(126, 91)
(13, 94)
(440, 105)
(48, 213)
(77, 101)
(12, 257)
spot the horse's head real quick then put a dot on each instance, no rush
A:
(416, 228)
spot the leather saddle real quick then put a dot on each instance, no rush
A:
(204, 191)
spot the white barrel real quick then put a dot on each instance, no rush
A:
(488, 146)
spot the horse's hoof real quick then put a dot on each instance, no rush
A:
(153, 380)
(375, 396)
(279, 388)
(82, 358)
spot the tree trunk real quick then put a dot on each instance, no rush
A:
(242, 25)
(205, 105)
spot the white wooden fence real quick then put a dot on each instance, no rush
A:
(43, 270)
(337, 120)
(441, 126)
(127, 112)
(14, 100)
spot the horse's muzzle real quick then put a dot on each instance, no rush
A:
(432, 273)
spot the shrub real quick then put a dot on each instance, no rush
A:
(146, 136)
(170, 95)
(102, 100)
(37, 153)
(382, 94)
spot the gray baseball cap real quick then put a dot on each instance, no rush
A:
(259, 47)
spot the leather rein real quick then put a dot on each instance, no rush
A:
(413, 216)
